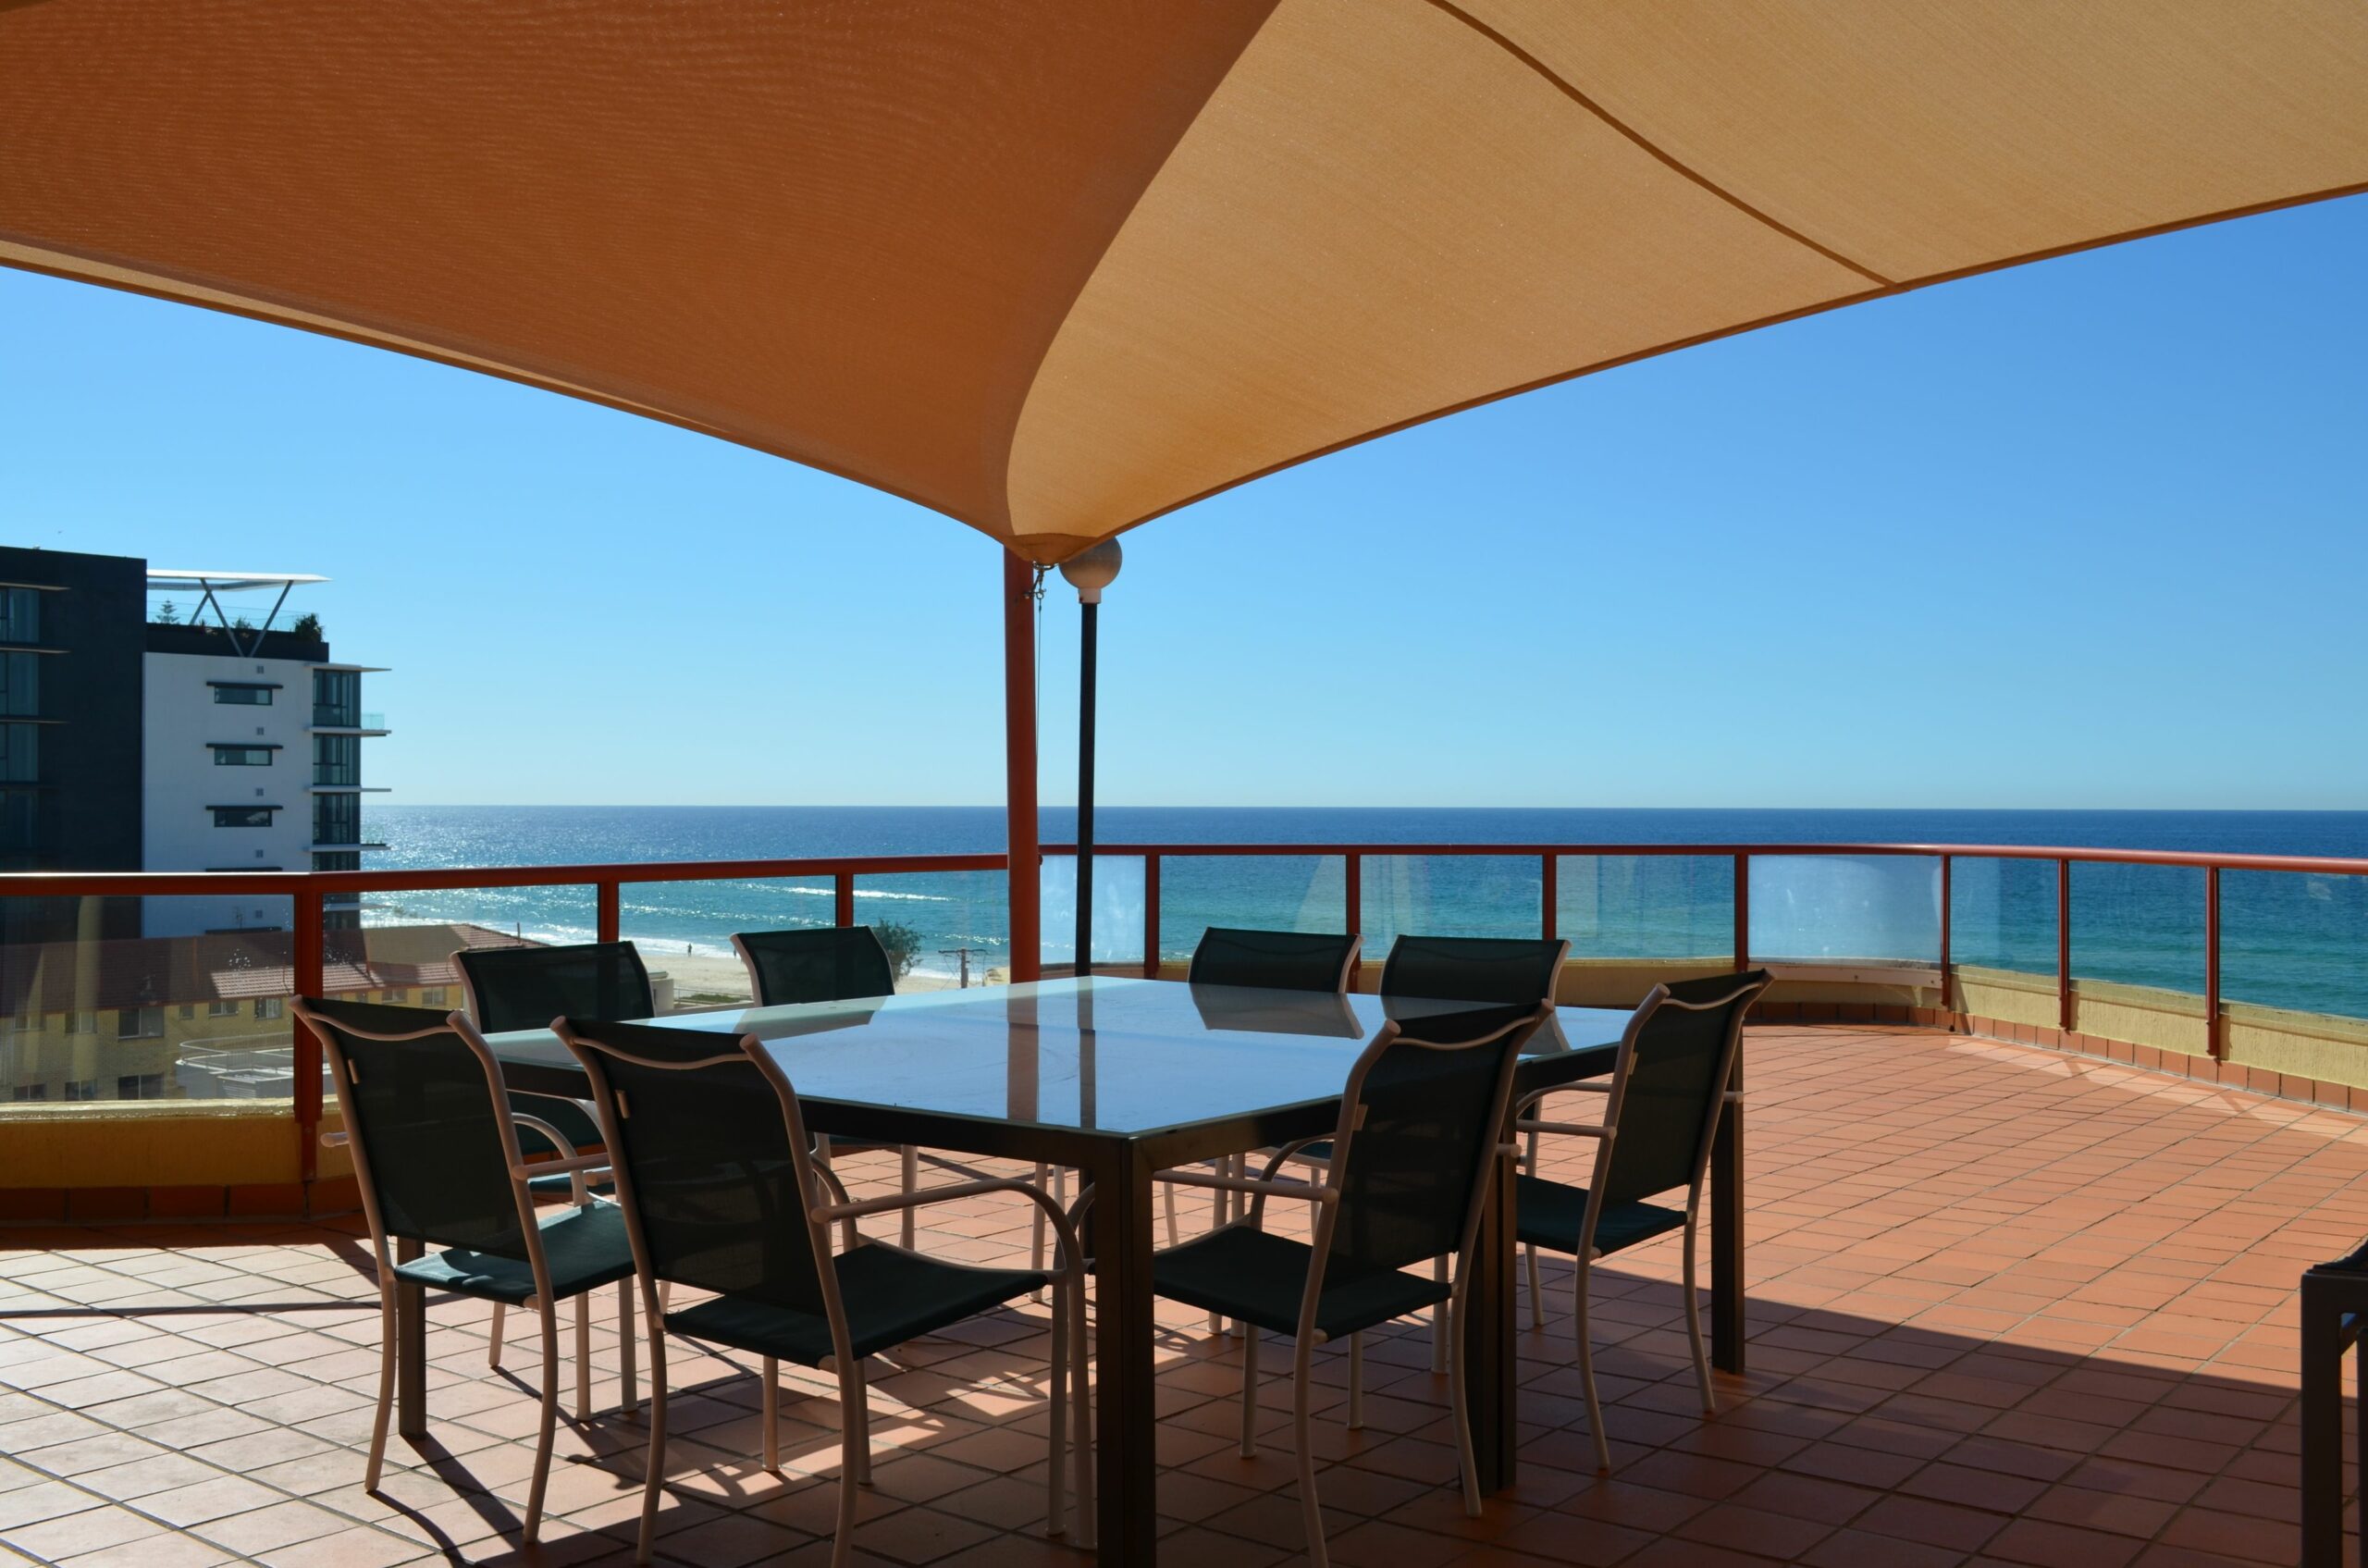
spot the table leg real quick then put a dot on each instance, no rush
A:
(411, 1350)
(1491, 1345)
(1726, 1231)
(2322, 1431)
(1125, 1398)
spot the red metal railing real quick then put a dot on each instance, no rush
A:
(307, 891)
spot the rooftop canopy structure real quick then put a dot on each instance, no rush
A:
(1056, 269)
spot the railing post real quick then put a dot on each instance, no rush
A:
(1353, 892)
(2064, 945)
(1150, 917)
(1549, 894)
(1743, 912)
(306, 965)
(609, 900)
(2212, 963)
(842, 902)
(1948, 1012)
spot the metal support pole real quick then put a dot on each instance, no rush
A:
(1150, 917)
(1023, 875)
(308, 966)
(1353, 893)
(1548, 895)
(1088, 637)
(1948, 1011)
(1743, 913)
(609, 901)
(842, 899)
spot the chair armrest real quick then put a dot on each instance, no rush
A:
(833, 1213)
(1576, 1129)
(1251, 1184)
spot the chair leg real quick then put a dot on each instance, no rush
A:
(1460, 1403)
(853, 1461)
(550, 1315)
(386, 1385)
(863, 1422)
(493, 1346)
(1043, 1179)
(584, 1355)
(1536, 1291)
(1694, 1323)
(1082, 1415)
(1587, 1372)
(1168, 1188)
(912, 1160)
(1356, 1382)
(772, 1415)
(628, 1396)
(1057, 1386)
(1250, 1394)
(655, 1481)
(1311, 1510)
(1440, 1327)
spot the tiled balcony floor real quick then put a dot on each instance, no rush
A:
(2006, 1306)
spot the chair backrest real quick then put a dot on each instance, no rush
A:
(711, 1162)
(527, 987)
(1421, 1122)
(1279, 960)
(432, 1142)
(822, 964)
(1669, 1082)
(1504, 971)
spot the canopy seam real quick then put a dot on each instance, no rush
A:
(1659, 152)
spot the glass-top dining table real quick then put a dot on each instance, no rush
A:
(1119, 1079)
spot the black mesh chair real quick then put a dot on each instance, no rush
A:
(1498, 971)
(1421, 1120)
(1667, 1091)
(829, 964)
(436, 1151)
(2335, 1318)
(720, 1193)
(526, 987)
(1276, 960)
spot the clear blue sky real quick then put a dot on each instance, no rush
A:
(2088, 533)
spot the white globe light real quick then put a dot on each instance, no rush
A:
(1093, 570)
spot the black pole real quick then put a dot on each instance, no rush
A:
(1087, 648)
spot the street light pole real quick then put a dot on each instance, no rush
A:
(1089, 574)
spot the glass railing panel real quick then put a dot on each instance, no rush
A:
(1845, 908)
(2297, 940)
(2002, 915)
(1258, 891)
(1117, 935)
(683, 930)
(115, 999)
(1451, 896)
(1646, 906)
(941, 928)
(2139, 925)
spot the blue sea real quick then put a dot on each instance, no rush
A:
(2297, 941)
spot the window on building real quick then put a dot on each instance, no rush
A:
(239, 694)
(189, 1011)
(337, 819)
(19, 615)
(23, 1091)
(243, 816)
(270, 1007)
(221, 1009)
(396, 993)
(81, 1023)
(139, 1086)
(337, 697)
(242, 756)
(82, 1089)
(20, 815)
(337, 760)
(140, 1023)
(20, 753)
(433, 997)
(20, 684)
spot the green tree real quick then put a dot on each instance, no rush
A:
(902, 943)
(168, 614)
(307, 628)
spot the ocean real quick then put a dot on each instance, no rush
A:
(2295, 941)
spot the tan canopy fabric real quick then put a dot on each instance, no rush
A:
(1056, 267)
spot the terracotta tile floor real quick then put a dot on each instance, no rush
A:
(2007, 1306)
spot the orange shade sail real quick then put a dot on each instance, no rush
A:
(1053, 268)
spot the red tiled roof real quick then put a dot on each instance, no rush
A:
(56, 977)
